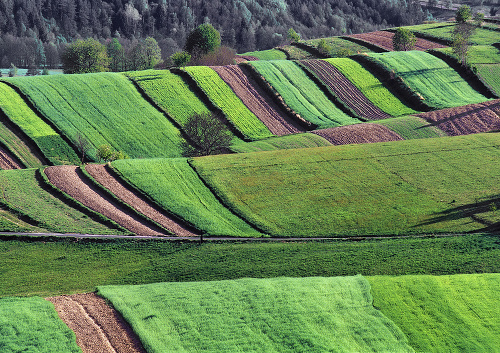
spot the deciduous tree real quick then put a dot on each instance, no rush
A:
(202, 40)
(208, 136)
(404, 39)
(85, 56)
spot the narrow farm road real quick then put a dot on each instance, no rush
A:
(72, 181)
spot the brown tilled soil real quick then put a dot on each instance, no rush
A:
(359, 133)
(243, 58)
(70, 180)
(465, 120)
(252, 96)
(107, 179)
(383, 39)
(98, 327)
(7, 160)
(348, 93)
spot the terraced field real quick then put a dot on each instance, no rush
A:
(482, 36)
(340, 47)
(383, 39)
(358, 133)
(490, 73)
(270, 54)
(305, 140)
(412, 127)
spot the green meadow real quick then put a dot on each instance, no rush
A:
(412, 127)
(481, 36)
(304, 140)
(270, 54)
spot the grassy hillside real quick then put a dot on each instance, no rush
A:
(412, 127)
(482, 36)
(105, 108)
(403, 187)
(270, 54)
(271, 315)
(304, 140)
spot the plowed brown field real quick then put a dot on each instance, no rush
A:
(103, 176)
(349, 94)
(465, 120)
(383, 39)
(98, 327)
(359, 133)
(70, 180)
(253, 97)
(7, 160)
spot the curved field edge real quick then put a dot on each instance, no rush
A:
(369, 189)
(302, 140)
(175, 186)
(160, 314)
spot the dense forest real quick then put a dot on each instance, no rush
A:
(35, 31)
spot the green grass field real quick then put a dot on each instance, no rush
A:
(21, 192)
(105, 108)
(411, 127)
(270, 54)
(491, 75)
(404, 187)
(371, 87)
(438, 84)
(32, 325)
(54, 148)
(174, 185)
(305, 140)
(458, 313)
(481, 36)
(223, 97)
(301, 94)
(314, 314)
(340, 47)
(295, 53)
(18, 147)
(479, 54)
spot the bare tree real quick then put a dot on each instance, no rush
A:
(82, 145)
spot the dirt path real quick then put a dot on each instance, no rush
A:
(71, 180)
(250, 94)
(98, 327)
(7, 161)
(102, 175)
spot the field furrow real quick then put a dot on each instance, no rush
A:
(359, 133)
(275, 120)
(107, 179)
(70, 180)
(8, 160)
(344, 89)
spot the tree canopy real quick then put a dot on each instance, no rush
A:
(85, 56)
(202, 40)
(403, 39)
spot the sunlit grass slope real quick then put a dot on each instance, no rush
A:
(265, 315)
(301, 94)
(458, 313)
(304, 140)
(175, 186)
(105, 108)
(437, 83)
(54, 148)
(403, 187)
(32, 325)
(411, 127)
(270, 54)
(481, 36)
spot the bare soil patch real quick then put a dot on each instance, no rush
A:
(465, 120)
(72, 181)
(106, 178)
(359, 133)
(98, 327)
(8, 161)
(254, 98)
(345, 90)
(383, 39)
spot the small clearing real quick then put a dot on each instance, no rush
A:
(98, 327)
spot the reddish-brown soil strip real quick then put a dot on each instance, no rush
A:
(465, 120)
(383, 39)
(348, 93)
(7, 160)
(98, 327)
(70, 180)
(243, 58)
(359, 133)
(102, 175)
(250, 94)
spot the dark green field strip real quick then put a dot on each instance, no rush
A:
(105, 108)
(412, 127)
(54, 148)
(32, 325)
(437, 84)
(301, 94)
(305, 140)
(458, 313)
(404, 187)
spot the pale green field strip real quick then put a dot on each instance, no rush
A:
(403, 187)
(171, 93)
(223, 97)
(458, 313)
(311, 314)
(21, 192)
(438, 84)
(479, 54)
(17, 147)
(481, 36)
(305, 140)
(32, 325)
(301, 94)
(412, 127)
(54, 148)
(371, 87)
(490, 73)
(175, 186)
(105, 108)
(270, 54)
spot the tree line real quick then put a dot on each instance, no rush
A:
(41, 29)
